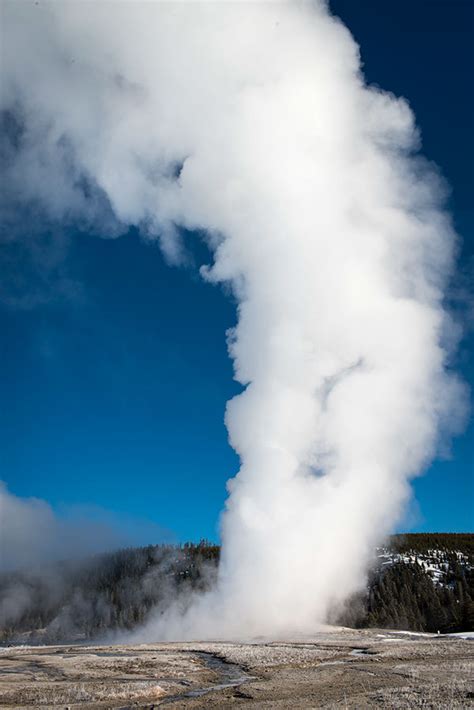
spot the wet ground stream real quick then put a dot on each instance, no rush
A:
(230, 675)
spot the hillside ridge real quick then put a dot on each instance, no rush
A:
(418, 582)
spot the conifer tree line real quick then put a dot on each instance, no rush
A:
(423, 542)
(119, 591)
(404, 596)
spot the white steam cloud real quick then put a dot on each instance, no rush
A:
(251, 122)
(33, 535)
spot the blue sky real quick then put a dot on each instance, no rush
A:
(114, 386)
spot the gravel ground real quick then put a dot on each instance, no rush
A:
(334, 669)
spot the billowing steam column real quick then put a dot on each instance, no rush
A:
(325, 223)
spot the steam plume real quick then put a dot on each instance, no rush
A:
(33, 535)
(252, 123)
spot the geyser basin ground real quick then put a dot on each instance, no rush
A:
(353, 669)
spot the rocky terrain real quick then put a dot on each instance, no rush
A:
(334, 668)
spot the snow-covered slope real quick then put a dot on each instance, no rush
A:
(438, 564)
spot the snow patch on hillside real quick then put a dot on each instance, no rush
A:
(436, 563)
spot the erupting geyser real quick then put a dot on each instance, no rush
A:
(252, 124)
